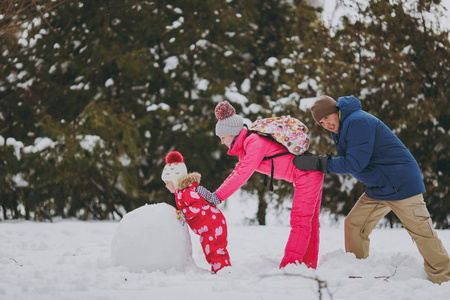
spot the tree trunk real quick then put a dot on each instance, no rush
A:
(262, 206)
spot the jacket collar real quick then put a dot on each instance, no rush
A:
(238, 144)
(189, 179)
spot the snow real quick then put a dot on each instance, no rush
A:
(162, 106)
(202, 84)
(171, 63)
(150, 238)
(307, 103)
(16, 144)
(445, 21)
(71, 259)
(40, 144)
(235, 97)
(109, 82)
(19, 181)
(88, 142)
(271, 62)
(246, 85)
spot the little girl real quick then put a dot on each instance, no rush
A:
(203, 218)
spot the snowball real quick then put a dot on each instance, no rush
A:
(150, 238)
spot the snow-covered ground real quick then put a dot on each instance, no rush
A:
(70, 259)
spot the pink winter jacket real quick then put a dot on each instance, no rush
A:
(251, 150)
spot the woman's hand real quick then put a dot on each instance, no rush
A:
(207, 195)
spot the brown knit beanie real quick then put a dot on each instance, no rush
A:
(324, 106)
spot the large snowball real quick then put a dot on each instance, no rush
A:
(151, 238)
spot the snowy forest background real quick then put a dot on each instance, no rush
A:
(93, 94)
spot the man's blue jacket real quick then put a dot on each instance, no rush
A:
(372, 153)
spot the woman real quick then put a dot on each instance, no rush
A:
(303, 242)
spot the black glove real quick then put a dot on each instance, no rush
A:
(312, 162)
(209, 197)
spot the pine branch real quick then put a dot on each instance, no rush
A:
(15, 261)
(384, 277)
(322, 284)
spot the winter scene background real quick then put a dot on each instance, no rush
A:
(144, 252)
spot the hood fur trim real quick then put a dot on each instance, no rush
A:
(185, 181)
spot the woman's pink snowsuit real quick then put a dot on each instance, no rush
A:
(303, 242)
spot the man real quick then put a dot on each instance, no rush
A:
(370, 151)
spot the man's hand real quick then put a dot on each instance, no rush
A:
(209, 197)
(312, 162)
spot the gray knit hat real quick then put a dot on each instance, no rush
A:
(229, 123)
(324, 106)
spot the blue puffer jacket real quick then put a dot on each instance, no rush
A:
(372, 153)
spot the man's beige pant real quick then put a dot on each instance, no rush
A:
(415, 218)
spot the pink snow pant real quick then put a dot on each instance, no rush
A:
(303, 242)
(214, 240)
